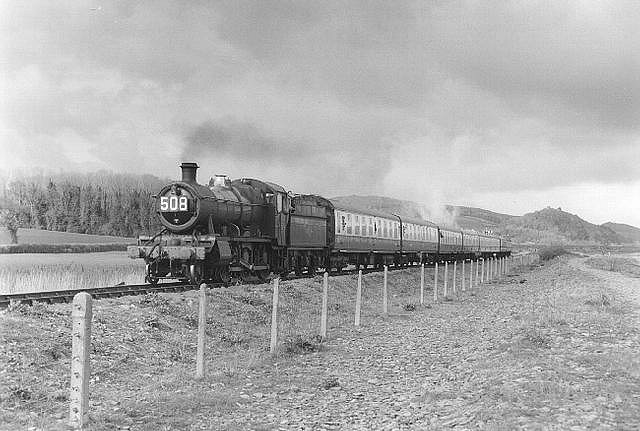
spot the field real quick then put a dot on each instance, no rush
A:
(36, 236)
(626, 264)
(34, 272)
(550, 346)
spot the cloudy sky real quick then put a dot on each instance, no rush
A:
(506, 105)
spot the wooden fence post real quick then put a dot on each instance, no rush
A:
(359, 299)
(81, 314)
(385, 308)
(446, 276)
(463, 275)
(274, 316)
(422, 284)
(202, 325)
(325, 305)
(435, 284)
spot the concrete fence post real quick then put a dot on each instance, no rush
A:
(435, 284)
(446, 276)
(81, 314)
(422, 284)
(274, 316)
(359, 299)
(385, 305)
(455, 272)
(202, 325)
(463, 275)
(488, 275)
(471, 276)
(493, 268)
(325, 305)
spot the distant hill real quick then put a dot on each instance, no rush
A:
(552, 225)
(627, 232)
(547, 226)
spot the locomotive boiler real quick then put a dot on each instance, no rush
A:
(215, 231)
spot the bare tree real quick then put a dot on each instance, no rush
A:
(9, 219)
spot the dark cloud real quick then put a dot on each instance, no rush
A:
(237, 140)
(306, 165)
(411, 99)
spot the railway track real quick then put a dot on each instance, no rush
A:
(61, 296)
(56, 296)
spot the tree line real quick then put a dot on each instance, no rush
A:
(100, 203)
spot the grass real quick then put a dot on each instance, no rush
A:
(144, 347)
(42, 272)
(625, 265)
(48, 237)
(551, 252)
(553, 343)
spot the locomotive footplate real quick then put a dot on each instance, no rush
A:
(167, 252)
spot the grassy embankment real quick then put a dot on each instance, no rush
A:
(552, 347)
(138, 340)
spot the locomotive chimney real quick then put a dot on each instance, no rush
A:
(189, 172)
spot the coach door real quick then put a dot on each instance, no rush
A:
(282, 217)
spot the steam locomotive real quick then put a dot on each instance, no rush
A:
(247, 229)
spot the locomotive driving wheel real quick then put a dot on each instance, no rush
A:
(222, 274)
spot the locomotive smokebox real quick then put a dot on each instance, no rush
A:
(189, 172)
